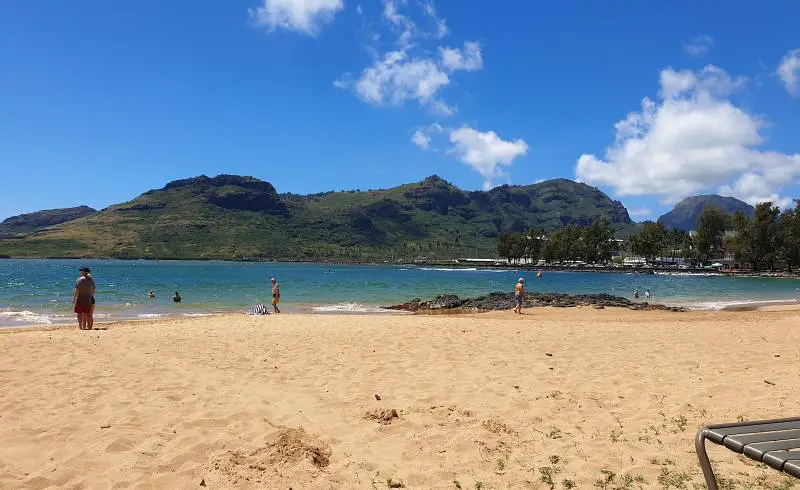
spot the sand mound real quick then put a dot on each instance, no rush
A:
(289, 448)
(382, 415)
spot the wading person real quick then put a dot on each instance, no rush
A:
(83, 299)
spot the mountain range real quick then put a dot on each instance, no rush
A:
(235, 217)
(230, 217)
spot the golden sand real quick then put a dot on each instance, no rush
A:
(576, 398)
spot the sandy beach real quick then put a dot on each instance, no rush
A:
(566, 398)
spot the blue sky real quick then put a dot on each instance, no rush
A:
(100, 101)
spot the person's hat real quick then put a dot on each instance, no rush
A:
(84, 269)
(521, 280)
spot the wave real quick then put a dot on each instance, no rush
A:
(196, 315)
(721, 305)
(447, 269)
(350, 308)
(27, 317)
(149, 315)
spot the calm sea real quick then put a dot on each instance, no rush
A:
(39, 291)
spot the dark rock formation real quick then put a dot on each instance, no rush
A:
(505, 301)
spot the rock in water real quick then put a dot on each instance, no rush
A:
(505, 301)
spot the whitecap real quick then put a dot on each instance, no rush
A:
(445, 269)
(26, 316)
(350, 308)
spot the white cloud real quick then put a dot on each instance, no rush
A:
(468, 59)
(699, 45)
(421, 139)
(789, 71)
(485, 152)
(306, 16)
(691, 139)
(640, 212)
(397, 78)
(408, 73)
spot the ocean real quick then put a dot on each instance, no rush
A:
(39, 291)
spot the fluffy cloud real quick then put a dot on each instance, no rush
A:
(485, 152)
(421, 139)
(397, 78)
(691, 139)
(468, 59)
(306, 16)
(789, 71)
(699, 45)
(408, 73)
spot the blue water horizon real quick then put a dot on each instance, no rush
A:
(40, 290)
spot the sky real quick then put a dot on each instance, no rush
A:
(101, 101)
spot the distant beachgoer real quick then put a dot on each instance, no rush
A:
(539, 275)
(276, 295)
(83, 299)
(635, 294)
(177, 297)
(519, 295)
(151, 295)
(647, 294)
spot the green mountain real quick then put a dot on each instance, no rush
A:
(30, 222)
(686, 214)
(242, 217)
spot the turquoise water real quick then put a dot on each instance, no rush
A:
(39, 291)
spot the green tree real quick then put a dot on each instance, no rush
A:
(649, 241)
(713, 222)
(757, 242)
(789, 232)
(535, 244)
(564, 244)
(598, 241)
(765, 234)
(512, 246)
(504, 246)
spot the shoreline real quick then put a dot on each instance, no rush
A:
(777, 306)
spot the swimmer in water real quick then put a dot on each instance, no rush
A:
(539, 275)
(151, 295)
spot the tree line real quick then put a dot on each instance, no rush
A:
(768, 240)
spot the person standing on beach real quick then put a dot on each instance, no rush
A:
(276, 295)
(82, 299)
(519, 295)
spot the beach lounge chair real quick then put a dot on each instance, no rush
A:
(775, 443)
